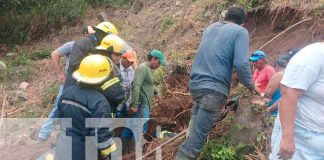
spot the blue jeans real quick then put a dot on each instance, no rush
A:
(47, 127)
(206, 111)
(142, 112)
(309, 145)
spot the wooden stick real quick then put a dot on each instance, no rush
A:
(184, 94)
(181, 113)
(2, 110)
(146, 52)
(163, 144)
(13, 112)
(285, 31)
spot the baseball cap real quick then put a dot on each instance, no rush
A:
(130, 56)
(257, 55)
(159, 55)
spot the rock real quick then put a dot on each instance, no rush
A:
(178, 3)
(17, 97)
(20, 95)
(103, 16)
(2, 65)
(23, 85)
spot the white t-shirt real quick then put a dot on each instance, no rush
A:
(306, 71)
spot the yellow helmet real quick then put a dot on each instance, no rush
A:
(113, 43)
(93, 69)
(107, 27)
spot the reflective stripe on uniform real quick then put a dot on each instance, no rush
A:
(109, 150)
(110, 83)
(76, 105)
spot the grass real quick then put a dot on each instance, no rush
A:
(48, 93)
(41, 53)
(21, 60)
(109, 2)
(167, 23)
(45, 106)
(20, 68)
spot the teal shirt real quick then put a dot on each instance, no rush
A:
(143, 87)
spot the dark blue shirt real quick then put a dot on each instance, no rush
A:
(223, 46)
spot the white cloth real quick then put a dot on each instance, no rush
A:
(305, 71)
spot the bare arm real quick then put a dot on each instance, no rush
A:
(274, 106)
(56, 64)
(287, 120)
(273, 85)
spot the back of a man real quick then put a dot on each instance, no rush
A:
(80, 49)
(224, 46)
(216, 55)
(300, 132)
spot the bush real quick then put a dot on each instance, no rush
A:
(34, 18)
(42, 53)
(167, 23)
(21, 60)
(159, 75)
(222, 151)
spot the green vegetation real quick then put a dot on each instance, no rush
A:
(318, 11)
(159, 75)
(175, 58)
(167, 23)
(213, 9)
(109, 2)
(21, 60)
(226, 148)
(48, 93)
(31, 19)
(221, 151)
(42, 53)
(20, 68)
(42, 109)
(248, 4)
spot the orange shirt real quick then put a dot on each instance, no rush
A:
(262, 77)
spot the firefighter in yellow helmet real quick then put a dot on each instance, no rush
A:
(82, 101)
(106, 27)
(114, 47)
(86, 45)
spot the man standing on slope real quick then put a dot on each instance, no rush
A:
(224, 45)
(63, 51)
